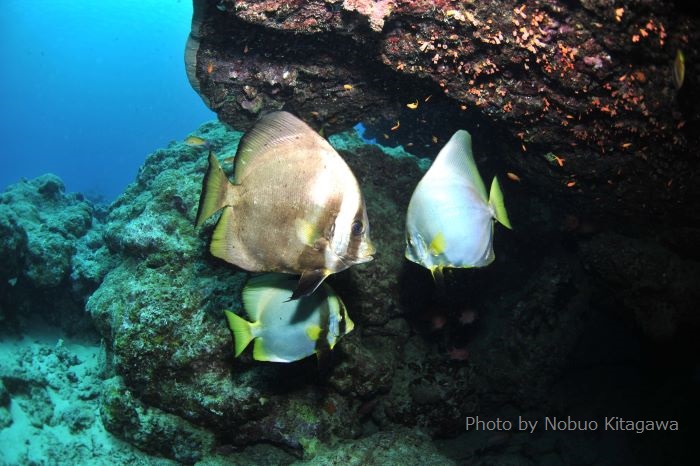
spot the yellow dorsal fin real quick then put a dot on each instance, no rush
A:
(438, 244)
(215, 191)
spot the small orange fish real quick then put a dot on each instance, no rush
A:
(348, 87)
(571, 184)
(210, 68)
(396, 126)
(559, 160)
(618, 14)
(512, 176)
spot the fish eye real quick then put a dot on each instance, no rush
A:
(357, 228)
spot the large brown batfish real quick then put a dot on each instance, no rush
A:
(294, 205)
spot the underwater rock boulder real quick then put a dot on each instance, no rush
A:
(45, 234)
(51, 221)
(577, 99)
(160, 309)
(151, 429)
(400, 446)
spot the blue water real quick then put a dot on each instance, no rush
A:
(90, 87)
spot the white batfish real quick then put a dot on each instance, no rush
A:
(284, 330)
(450, 217)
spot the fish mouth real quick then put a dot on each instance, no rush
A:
(366, 253)
(363, 259)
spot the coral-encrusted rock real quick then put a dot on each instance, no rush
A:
(45, 242)
(592, 86)
(151, 429)
(161, 308)
(51, 221)
(401, 446)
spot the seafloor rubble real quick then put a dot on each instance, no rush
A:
(571, 319)
(577, 98)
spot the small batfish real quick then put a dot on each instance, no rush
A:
(450, 218)
(294, 205)
(284, 330)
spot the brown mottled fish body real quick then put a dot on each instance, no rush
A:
(294, 205)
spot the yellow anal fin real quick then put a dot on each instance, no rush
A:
(222, 240)
(215, 191)
(260, 353)
(439, 278)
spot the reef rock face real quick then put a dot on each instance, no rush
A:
(578, 99)
(51, 250)
(161, 311)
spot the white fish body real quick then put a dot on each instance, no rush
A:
(449, 222)
(285, 330)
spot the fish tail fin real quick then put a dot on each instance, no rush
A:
(497, 205)
(215, 191)
(242, 331)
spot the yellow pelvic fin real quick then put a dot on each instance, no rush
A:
(438, 244)
(241, 329)
(215, 191)
(313, 332)
(308, 282)
(496, 202)
(439, 279)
